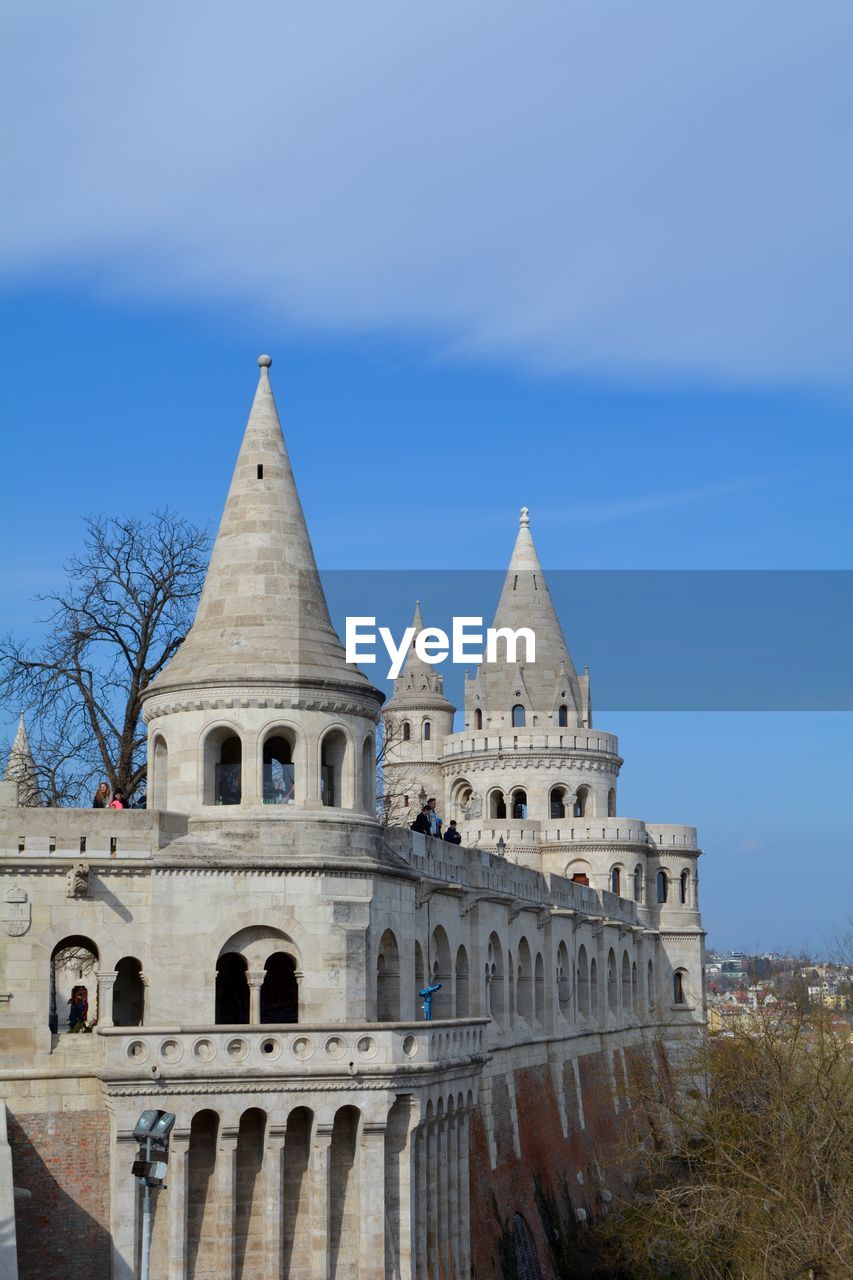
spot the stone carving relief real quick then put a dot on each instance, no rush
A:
(77, 881)
(16, 912)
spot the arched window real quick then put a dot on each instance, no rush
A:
(478, 719)
(519, 804)
(518, 716)
(581, 800)
(73, 984)
(461, 796)
(333, 754)
(611, 803)
(160, 789)
(427, 730)
(407, 731)
(201, 1159)
(495, 980)
(279, 775)
(635, 988)
(463, 995)
(511, 990)
(388, 979)
(497, 804)
(564, 983)
(248, 1185)
(524, 985)
(650, 984)
(280, 989)
(223, 767)
(558, 802)
(616, 881)
(678, 996)
(440, 971)
(583, 983)
(232, 990)
(539, 991)
(563, 717)
(684, 884)
(368, 775)
(128, 993)
(593, 988)
(420, 968)
(663, 886)
(638, 883)
(626, 984)
(612, 983)
(524, 1251)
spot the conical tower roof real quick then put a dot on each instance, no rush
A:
(21, 768)
(418, 684)
(525, 601)
(262, 617)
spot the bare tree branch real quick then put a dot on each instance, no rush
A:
(128, 603)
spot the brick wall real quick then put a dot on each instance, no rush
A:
(542, 1185)
(63, 1159)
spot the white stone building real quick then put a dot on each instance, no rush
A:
(254, 943)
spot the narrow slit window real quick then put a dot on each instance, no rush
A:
(260, 471)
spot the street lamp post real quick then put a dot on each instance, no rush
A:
(500, 846)
(150, 1167)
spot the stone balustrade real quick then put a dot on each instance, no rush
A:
(293, 1049)
(520, 740)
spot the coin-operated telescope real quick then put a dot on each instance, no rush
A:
(427, 994)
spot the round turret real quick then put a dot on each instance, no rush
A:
(259, 709)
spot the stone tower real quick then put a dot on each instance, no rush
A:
(21, 768)
(259, 708)
(252, 949)
(417, 720)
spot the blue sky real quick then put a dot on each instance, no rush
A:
(592, 259)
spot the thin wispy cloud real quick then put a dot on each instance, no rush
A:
(647, 191)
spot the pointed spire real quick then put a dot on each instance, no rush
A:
(262, 616)
(21, 768)
(525, 601)
(418, 682)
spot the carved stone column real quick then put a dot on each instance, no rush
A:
(421, 1203)
(106, 983)
(273, 1199)
(321, 1161)
(143, 978)
(178, 1183)
(453, 1194)
(464, 1195)
(225, 1182)
(432, 1180)
(255, 979)
(371, 1262)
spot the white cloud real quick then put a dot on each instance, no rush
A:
(653, 189)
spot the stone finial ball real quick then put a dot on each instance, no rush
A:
(264, 361)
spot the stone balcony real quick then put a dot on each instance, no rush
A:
(304, 1050)
(88, 833)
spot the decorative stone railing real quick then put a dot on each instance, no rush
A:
(291, 1050)
(479, 870)
(520, 740)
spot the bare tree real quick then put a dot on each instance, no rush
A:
(129, 601)
(750, 1178)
